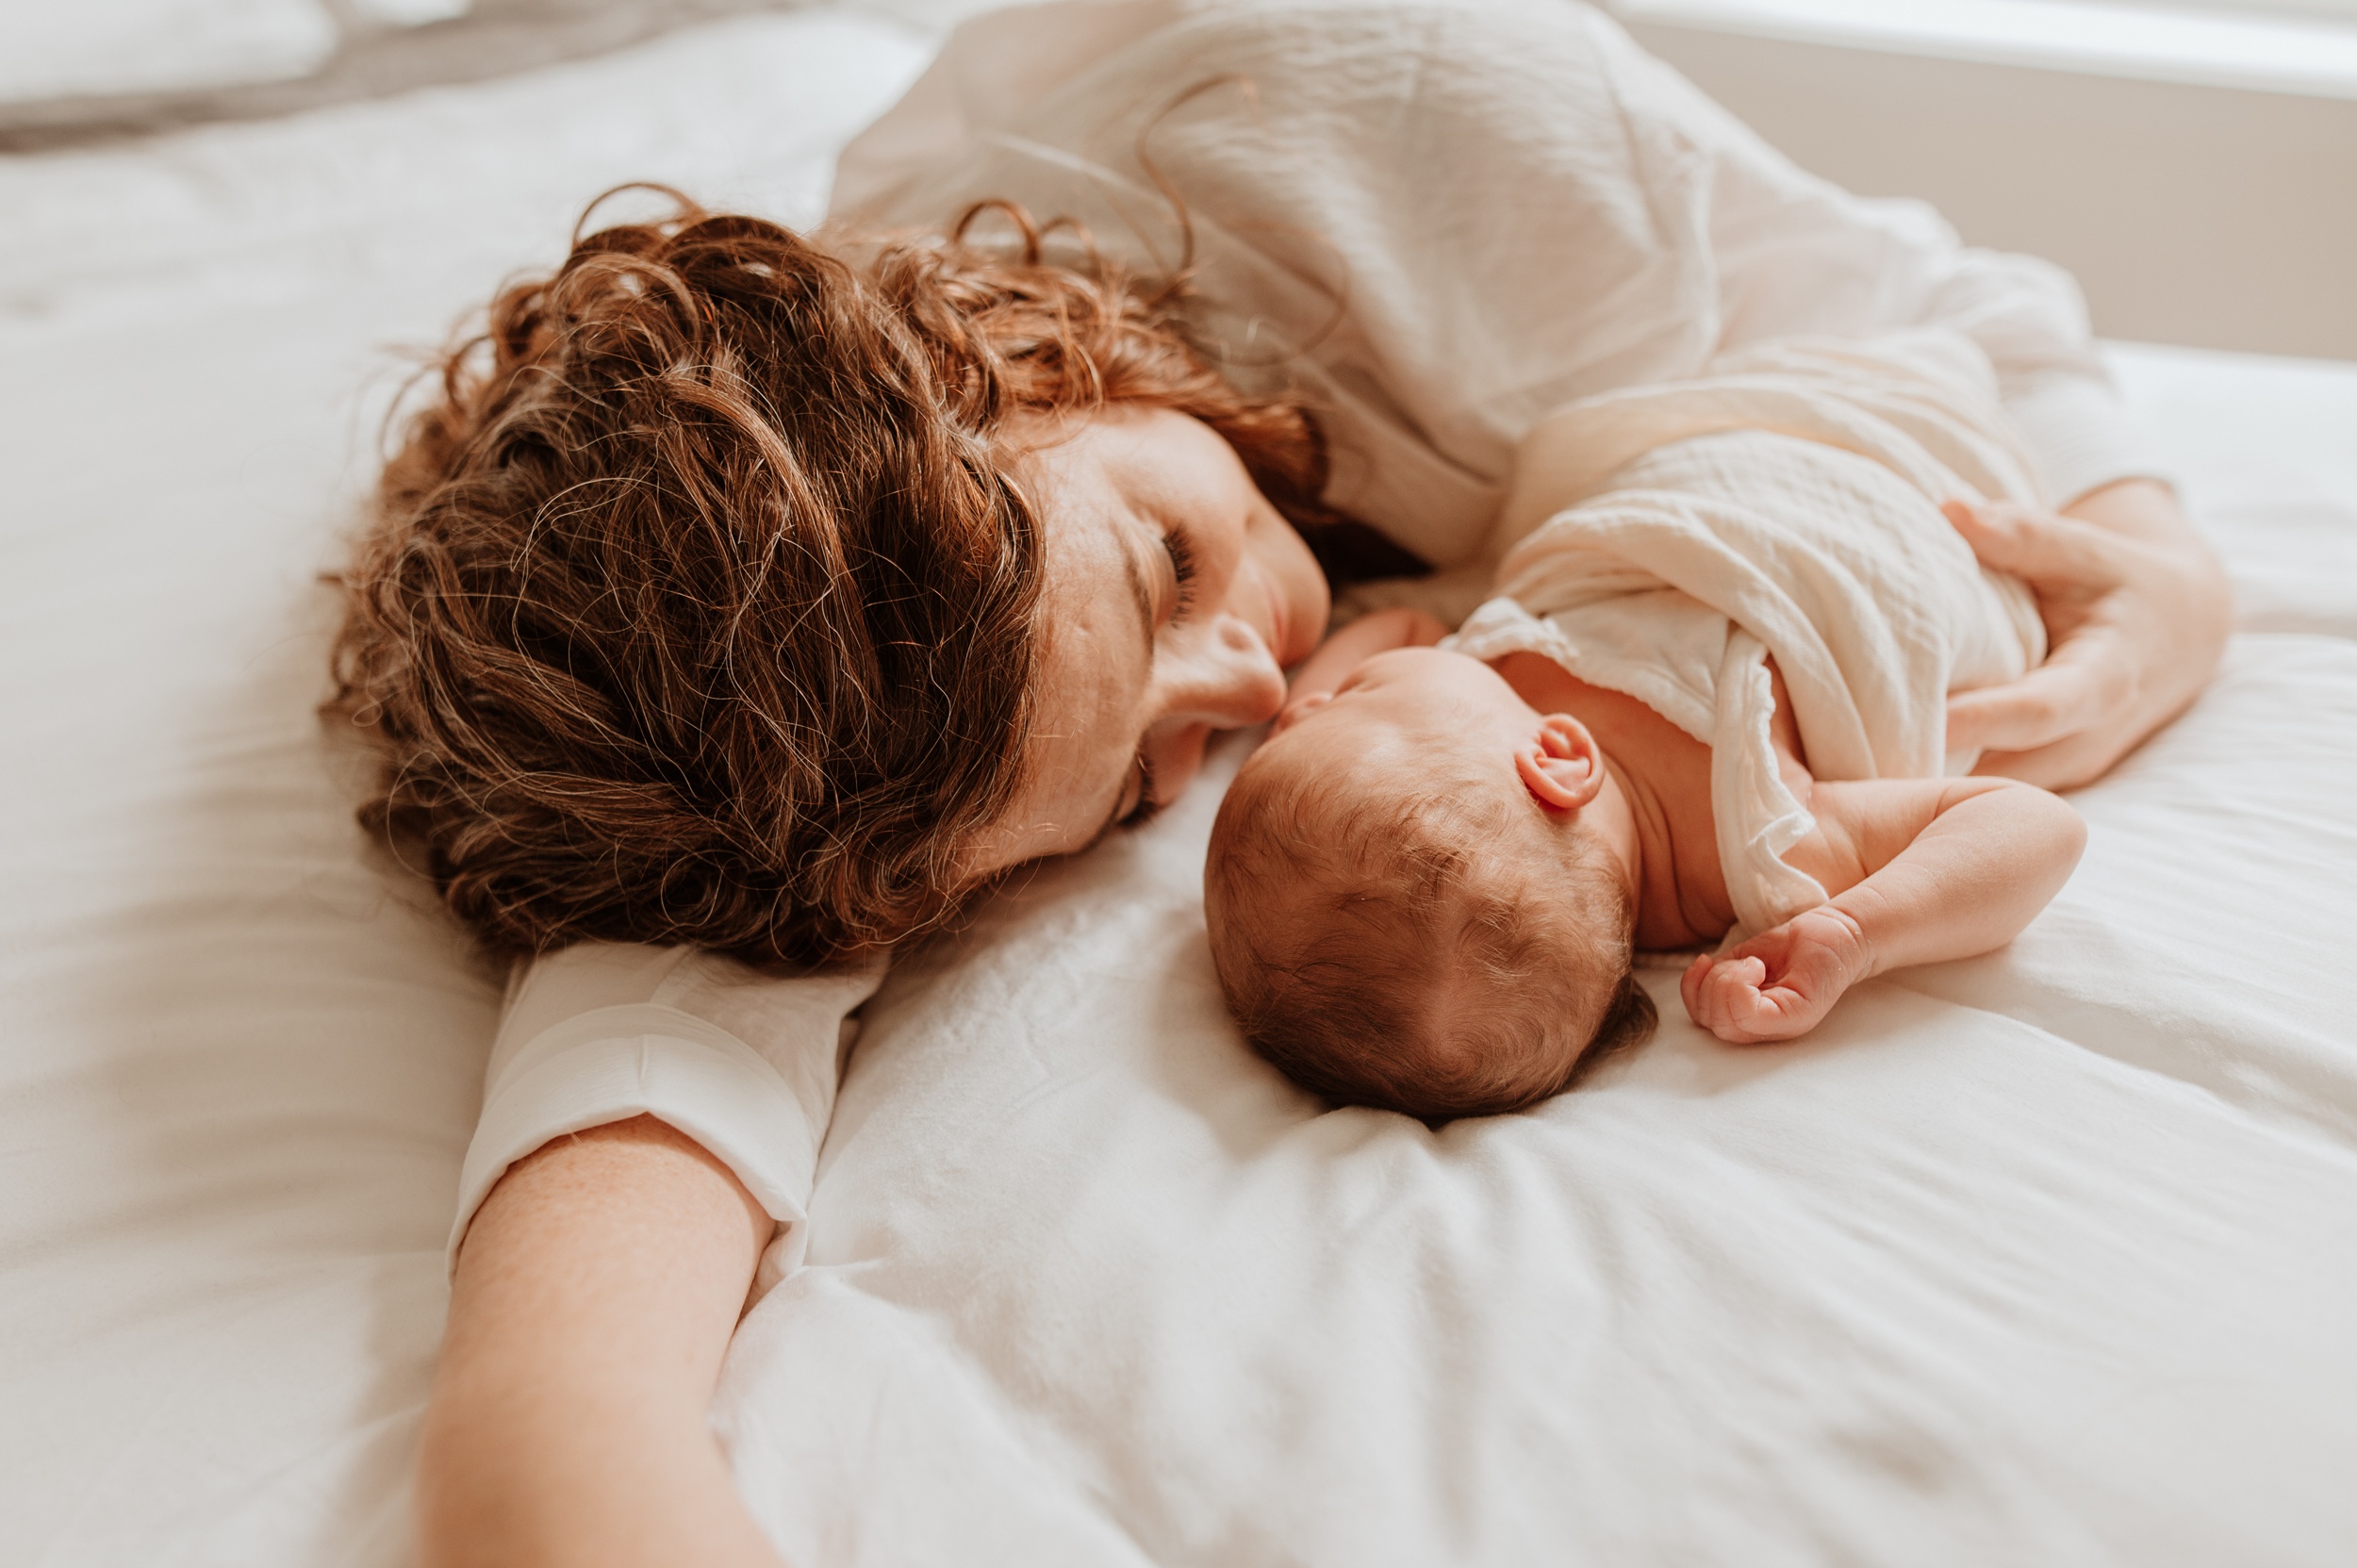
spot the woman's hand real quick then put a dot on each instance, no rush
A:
(2137, 610)
(596, 1292)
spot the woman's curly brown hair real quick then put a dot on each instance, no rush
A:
(696, 606)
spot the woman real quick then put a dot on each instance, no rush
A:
(769, 600)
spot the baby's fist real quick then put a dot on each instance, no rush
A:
(1779, 984)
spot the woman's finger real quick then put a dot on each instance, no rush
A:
(2076, 760)
(2066, 695)
(2042, 549)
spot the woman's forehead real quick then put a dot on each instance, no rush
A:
(1151, 458)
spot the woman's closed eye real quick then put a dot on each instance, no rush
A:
(1147, 803)
(1144, 800)
(1183, 569)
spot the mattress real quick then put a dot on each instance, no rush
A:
(2046, 1257)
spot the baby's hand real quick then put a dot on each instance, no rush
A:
(1779, 984)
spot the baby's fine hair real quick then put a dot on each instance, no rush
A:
(1414, 953)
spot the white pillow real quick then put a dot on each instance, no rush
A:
(408, 13)
(104, 47)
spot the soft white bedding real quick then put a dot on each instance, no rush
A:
(241, 1067)
(2046, 1258)
(143, 45)
(2050, 1257)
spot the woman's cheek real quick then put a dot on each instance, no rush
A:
(1176, 768)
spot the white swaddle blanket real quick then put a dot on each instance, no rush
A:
(1786, 505)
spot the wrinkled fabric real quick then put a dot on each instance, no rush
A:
(2043, 1257)
(1443, 220)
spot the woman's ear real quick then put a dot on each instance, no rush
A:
(1561, 765)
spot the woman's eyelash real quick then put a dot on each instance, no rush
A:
(1181, 551)
(1147, 805)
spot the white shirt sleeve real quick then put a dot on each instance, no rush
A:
(745, 1063)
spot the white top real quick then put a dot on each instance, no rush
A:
(743, 1063)
(1444, 222)
(1788, 503)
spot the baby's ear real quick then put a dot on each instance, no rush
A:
(1561, 763)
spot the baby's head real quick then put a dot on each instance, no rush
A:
(1407, 907)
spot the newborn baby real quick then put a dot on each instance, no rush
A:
(1425, 890)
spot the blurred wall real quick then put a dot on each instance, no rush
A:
(2197, 215)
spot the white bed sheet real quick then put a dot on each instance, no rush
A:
(240, 1065)
(2050, 1257)
(2043, 1258)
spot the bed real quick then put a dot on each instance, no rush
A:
(2049, 1257)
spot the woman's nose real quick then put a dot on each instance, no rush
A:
(1228, 679)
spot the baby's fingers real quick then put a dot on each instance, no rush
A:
(1691, 987)
(1735, 1003)
(1726, 1000)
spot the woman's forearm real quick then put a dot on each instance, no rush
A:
(595, 1296)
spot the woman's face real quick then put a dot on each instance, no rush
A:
(1175, 596)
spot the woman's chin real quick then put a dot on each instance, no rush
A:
(1297, 628)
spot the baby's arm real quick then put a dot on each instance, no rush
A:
(1376, 632)
(1942, 867)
